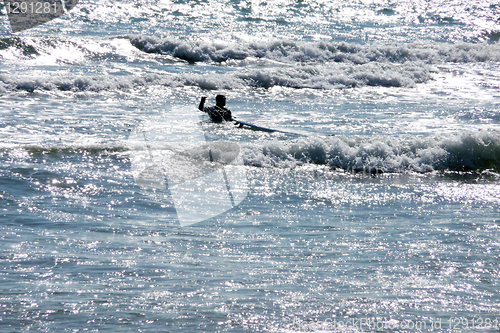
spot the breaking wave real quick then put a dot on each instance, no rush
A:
(318, 65)
(477, 151)
(295, 77)
(292, 52)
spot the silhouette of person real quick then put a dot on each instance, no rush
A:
(217, 113)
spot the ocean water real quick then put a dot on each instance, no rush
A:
(375, 208)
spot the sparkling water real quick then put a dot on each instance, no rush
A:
(374, 207)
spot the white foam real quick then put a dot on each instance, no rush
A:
(316, 65)
(461, 152)
(472, 151)
(297, 51)
(316, 77)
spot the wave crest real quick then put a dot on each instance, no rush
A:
(283, 63)
(313, 77)
(478, 151)
(292, 52)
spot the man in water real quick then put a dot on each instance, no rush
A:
(217, 113)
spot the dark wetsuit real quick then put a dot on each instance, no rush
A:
(218, 114)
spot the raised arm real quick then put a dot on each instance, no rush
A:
(201, 107)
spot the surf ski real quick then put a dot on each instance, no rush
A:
(254, 127)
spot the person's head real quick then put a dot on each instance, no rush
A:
(220, 100)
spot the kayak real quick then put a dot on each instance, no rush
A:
(254, 127)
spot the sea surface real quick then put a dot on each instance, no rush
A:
(374, 208)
